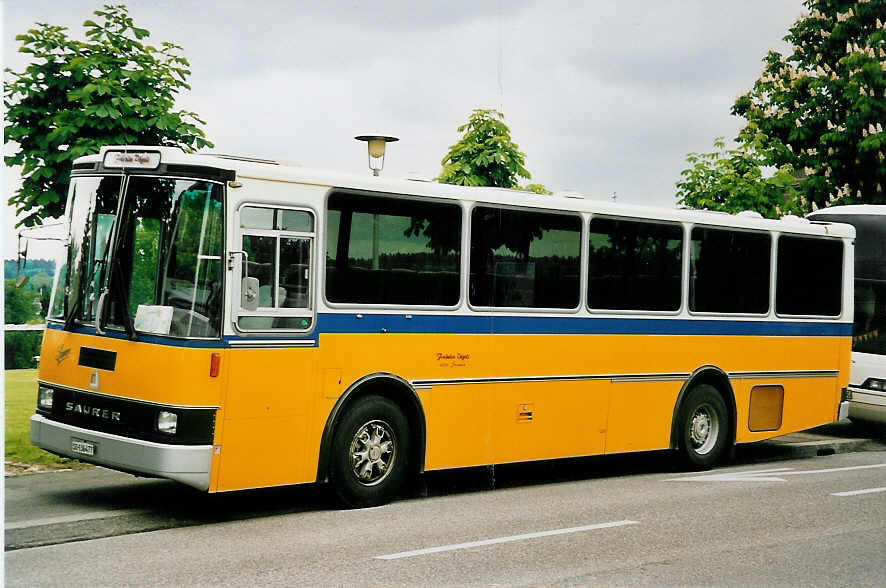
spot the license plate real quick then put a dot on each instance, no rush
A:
(82, 447)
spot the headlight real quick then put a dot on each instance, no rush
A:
(167, 422)
(875, 384)
(44, 398)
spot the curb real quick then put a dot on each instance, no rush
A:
(838, 437)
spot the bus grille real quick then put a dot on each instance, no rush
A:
(129, 418)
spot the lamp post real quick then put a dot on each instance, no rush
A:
(376, 146)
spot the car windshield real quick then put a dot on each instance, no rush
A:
(150, 248)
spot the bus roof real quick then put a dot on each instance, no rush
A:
(270, 170)
(861, 209)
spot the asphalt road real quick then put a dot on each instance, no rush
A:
(816, 521)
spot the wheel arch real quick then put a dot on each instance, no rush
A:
(386, 385)
(716, 377)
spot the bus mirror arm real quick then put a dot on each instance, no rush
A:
(231, 255)
(248, 286)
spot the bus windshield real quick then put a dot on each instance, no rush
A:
(151, 247)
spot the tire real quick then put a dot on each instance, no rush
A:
(370, 453)
(703, 428)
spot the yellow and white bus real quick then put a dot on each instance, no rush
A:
(233, 323)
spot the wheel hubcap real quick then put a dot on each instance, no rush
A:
(373, 452)
(704, 429)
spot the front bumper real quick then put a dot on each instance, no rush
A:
(188, 464)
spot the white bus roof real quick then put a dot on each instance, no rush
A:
(261, 169)
(852, 209)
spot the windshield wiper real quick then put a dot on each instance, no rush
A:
(121, 297)
(77, 306)
(115, 287)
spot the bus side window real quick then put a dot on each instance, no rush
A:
(522, 259)
(809, 279)
(729, 271)
(634, 265)
(390, 250)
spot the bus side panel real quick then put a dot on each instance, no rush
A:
(270, 397)
(470, 420)
(640, 415)
(458, 426)
(544, 420)
(808, 401)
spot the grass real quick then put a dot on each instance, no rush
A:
(21, 400)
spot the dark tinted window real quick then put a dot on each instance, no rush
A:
(869, 330)
(810, 276)
(729, 271)
(634, 265)
(870, 241)
(524, 259)
(392, 251)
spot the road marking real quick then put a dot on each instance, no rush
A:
(740, 476)
(536, 535)
(766, 475)
(857, 492)
(73, 518)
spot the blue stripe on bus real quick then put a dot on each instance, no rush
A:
(143, 338)
(525, 325)
(335, 323)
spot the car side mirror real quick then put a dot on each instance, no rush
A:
(249, 294)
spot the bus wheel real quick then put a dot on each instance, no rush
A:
(704, 427)
(370, 453)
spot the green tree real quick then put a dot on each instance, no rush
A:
(731, 180)
(21, 306)
(485, 155)
(76, 96)
(821, 109)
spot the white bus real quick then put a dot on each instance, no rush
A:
(868, 374)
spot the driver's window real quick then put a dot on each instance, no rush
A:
(277, 245)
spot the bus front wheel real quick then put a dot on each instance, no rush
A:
(370, 453)
(704, 427)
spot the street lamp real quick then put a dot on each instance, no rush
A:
(376, 146)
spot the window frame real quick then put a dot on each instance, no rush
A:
(842, 308)
(684, 282)
(582, 270)
(770, 299)
(393, 196)
(237, 311)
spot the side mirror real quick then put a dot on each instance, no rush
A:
(249, 294)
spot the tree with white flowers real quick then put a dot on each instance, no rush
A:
(821, 109)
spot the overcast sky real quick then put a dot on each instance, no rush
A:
(602, 96)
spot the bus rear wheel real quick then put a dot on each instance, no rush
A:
(370, 453)
(703, 427)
